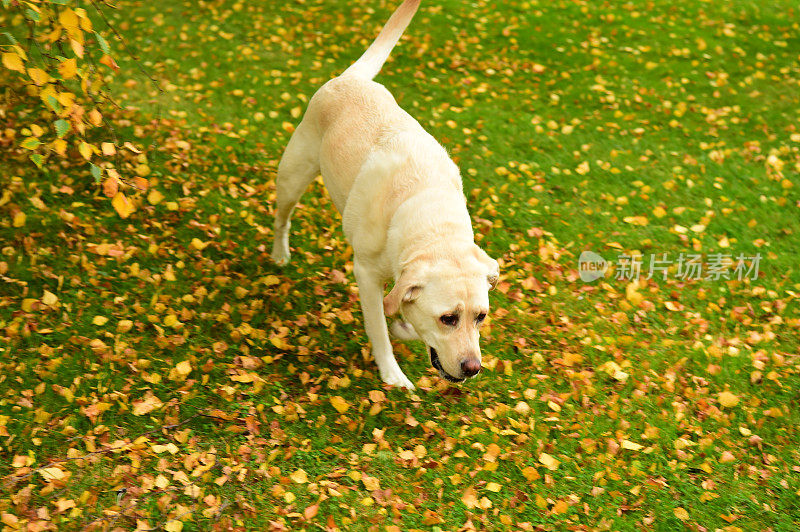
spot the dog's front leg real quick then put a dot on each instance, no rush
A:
(370, 290)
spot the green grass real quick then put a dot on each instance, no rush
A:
(521, 94)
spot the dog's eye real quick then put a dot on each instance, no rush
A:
(480, 318)
(449, 319)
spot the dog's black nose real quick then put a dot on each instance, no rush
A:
(471, 367)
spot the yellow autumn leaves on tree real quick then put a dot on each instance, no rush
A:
(51, 57)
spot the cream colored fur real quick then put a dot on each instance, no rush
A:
(403, 212)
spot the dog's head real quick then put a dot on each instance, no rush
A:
(446, 300)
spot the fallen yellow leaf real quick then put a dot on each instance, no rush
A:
(173, 526)
(19, 219)
(49, 298)
(632, 295)
(154, 197)
(10, 520)
(635, 220)
(633, 446)
(52, 473)
(184, 368)
(548, 461)
(299, 476)
(727, 399)
(673, 306)
(338, 402)
(530, 473)
(727, 457)
(371, 483)
(146, 405)
(470, 498)
(494, 487)
(171, 320)
(198, 244)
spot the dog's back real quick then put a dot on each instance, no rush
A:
(354, 116)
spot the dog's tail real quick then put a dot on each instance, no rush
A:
(369, 64)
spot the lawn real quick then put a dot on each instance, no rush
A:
(159, 372)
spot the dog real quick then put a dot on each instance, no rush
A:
(403, 211)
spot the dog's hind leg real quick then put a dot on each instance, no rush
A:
(403, 331)
(298, 167)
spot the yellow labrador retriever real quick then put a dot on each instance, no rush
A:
(403, 212)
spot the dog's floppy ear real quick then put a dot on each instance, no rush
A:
(493, 273)
(405, 289)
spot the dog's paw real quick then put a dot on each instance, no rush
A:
(403, 331)
(280, 256)
(397, 378)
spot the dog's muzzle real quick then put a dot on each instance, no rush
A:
(436, 363)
